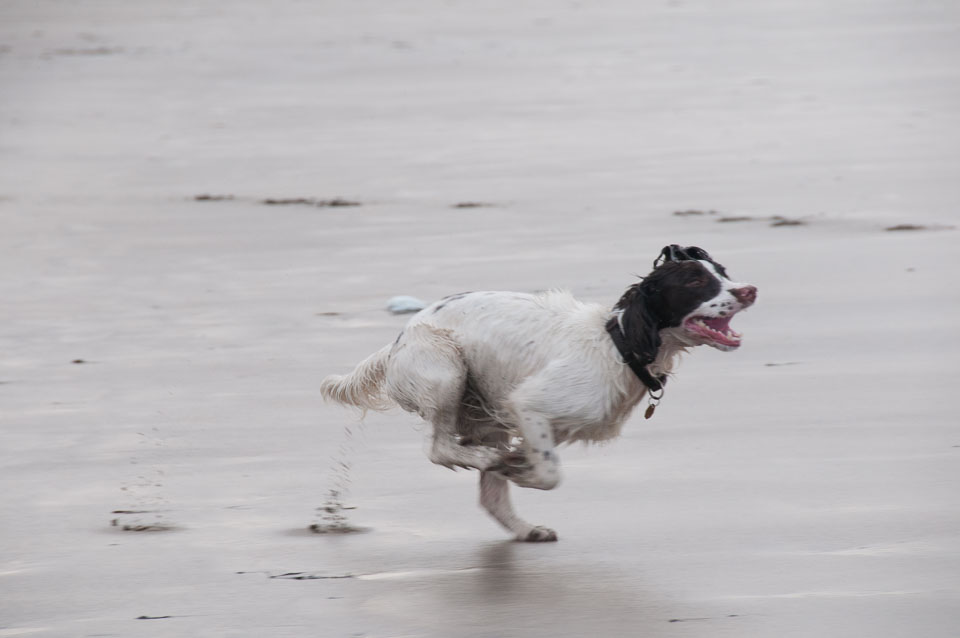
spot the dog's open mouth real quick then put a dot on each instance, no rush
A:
(716, 331)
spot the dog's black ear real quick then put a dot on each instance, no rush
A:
(640, 326)
(672, 252)
(675, 252)
(694, 252)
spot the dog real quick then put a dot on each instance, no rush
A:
(506, 377)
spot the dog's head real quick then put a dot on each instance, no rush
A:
(689, 294)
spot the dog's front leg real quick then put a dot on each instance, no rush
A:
(536, 463)
(495, 498)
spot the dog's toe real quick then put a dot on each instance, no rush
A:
(540, 534)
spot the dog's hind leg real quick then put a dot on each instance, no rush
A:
(495, 498)
(446, 450)
(427, 374)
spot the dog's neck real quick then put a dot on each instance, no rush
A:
(652, 380)
(670, 349)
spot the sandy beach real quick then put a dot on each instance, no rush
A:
(205, 206)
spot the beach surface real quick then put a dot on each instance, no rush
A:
(205, 206)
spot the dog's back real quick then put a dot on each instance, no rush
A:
(506, 337)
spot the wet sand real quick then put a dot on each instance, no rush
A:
(163, 329)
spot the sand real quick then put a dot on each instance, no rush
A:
(160, 352)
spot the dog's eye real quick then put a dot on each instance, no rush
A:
(697, 283)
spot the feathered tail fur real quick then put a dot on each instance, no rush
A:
(363, 387)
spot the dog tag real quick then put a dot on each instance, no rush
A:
(650, 409)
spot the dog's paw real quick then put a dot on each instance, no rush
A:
(540, 534)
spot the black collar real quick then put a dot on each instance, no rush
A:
(654, 383)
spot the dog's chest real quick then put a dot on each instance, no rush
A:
(605, 426)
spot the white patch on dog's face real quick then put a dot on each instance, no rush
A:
(710, 323)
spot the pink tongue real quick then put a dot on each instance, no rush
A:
(718, 323)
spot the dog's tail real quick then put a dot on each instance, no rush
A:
(363, 387)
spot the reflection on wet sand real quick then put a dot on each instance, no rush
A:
(510, 590)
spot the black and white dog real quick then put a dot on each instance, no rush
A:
(505, 377)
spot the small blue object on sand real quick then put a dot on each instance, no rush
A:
(404, 304)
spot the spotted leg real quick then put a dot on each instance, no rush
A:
(536, 464)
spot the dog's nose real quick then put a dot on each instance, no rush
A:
(746, 295)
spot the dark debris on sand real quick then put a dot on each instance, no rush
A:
(784, 221)
(473, 205)
(310, 201)
(775, 220)
(902, 227)
(693, 212)
(906, 227)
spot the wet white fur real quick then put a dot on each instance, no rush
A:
(544, 364)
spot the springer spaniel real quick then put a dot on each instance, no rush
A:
(506, 377)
